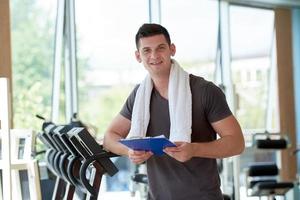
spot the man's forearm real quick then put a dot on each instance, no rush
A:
(111, 143)
(221, 148)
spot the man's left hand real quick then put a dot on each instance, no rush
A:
(182, 152)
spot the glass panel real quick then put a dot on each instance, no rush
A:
(32, 29)
(252, 64)
(1, 185)
(21, 148)
(250, 26)
(108, 70)
(193, 27)
(107, 66)
(24, 181)
(252, 52)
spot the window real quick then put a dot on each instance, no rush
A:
(32, 29)
(108, 70)
(252, 67)
(193, 26)
(250, 26)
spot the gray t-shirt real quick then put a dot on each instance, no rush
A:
(198, 178)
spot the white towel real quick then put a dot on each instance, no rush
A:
(180, 106)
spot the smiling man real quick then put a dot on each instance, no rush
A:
(188, 110)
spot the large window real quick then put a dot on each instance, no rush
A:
(252, 44)
(253, 67)
(107, 66)
(32, 29)
(193, 26)
(108, 71)
(32, 33)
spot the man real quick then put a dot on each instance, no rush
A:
(189, 170)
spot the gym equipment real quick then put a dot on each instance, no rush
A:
(261, 178)
(52, 158)
(24, 168)
(139, 181)
(266, 184)
(94, 154)
(70, 160)
(270, 141)
(77, 159)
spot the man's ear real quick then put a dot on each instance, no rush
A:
(138, 56)
(173, 49)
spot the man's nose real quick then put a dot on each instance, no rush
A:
(154, 54)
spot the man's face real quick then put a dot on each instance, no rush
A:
(155, 54)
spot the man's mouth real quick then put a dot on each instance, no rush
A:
(155, 63)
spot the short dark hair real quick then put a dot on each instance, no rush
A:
(147, 30)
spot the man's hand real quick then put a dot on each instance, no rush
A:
(138, 157)
(182, 152)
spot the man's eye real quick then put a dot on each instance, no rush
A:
(146, 51)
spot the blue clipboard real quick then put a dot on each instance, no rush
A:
(153, 144)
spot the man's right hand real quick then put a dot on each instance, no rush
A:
(138, 157)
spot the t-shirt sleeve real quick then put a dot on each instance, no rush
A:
(126, 110)
(216, 107)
